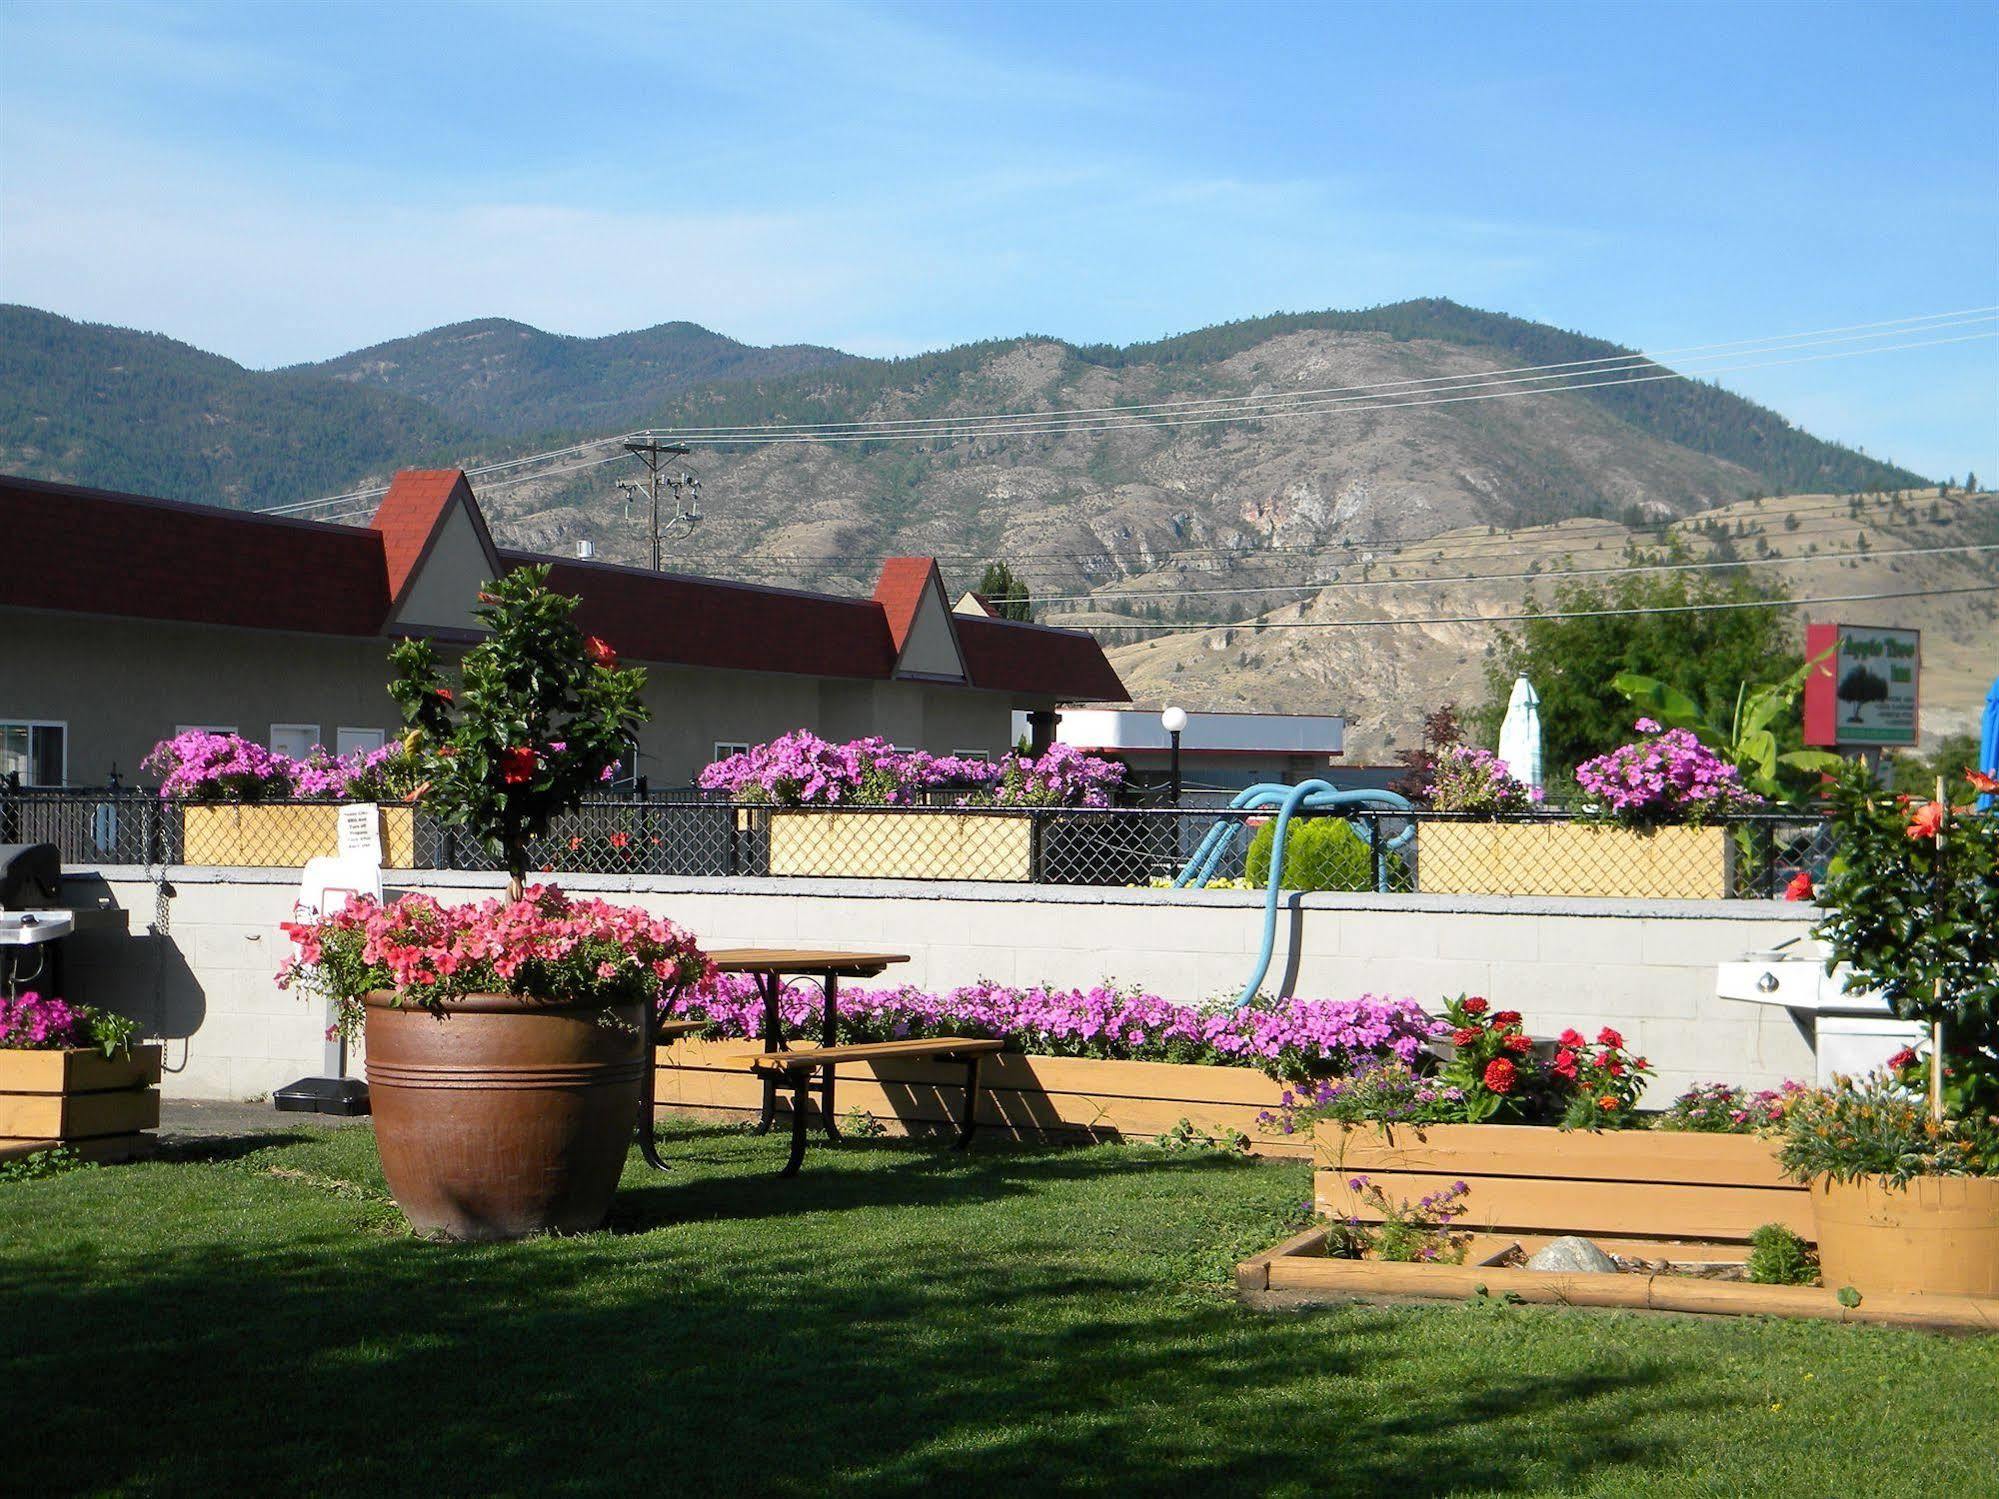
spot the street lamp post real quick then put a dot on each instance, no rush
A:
(1174, 721)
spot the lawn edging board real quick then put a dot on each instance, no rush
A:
(1299, 1271)
(1021, 1094)
(1633, 1184)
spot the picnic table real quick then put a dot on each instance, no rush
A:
(769, 968)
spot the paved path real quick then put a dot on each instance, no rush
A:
(222, 1117)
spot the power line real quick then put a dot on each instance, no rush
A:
(1061, 426)
(1633, 360)
(1256, 626)
(470, 473)
(1555, 575)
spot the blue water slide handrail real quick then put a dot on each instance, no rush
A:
(1306, 796)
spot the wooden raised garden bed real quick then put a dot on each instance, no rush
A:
(284, 836)
(1572, 858)
(1534, 1179)
(1300, 1271)
(101, 1107)
(861, 844)
(1026, 1096)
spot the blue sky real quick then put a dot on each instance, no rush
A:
(284, 182)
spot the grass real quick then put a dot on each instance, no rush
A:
(252, 1319)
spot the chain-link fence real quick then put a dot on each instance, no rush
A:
(685, 834)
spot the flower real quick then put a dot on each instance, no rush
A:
(1901, 1059)
(1608, 1102)
(1800, 887)
(1464, 1035)
(444, 694)
(1608, 1037)
(1474, 1006)
(1647, 726)
(1981, 782)
(609, 772)
(1517, 1041)
(517, 765)
(1506, 1017)
(600, 652)
(1500, 1075)
(1928, 821)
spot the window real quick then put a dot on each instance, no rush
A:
(725, 748)
(366, 741)
(36, 752)
(204, 728)
(295, 739)
(972, 754)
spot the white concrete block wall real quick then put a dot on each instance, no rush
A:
(1645, 967)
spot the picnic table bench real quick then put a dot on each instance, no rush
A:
(795, 1068)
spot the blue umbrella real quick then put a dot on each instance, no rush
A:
(1988, 742)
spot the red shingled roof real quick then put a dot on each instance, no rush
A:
(91, 551)
(88, 551)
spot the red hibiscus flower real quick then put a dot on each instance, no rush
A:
(1501, 1075)
(443, 694)
(1474, 1006)
(620, 840)
(517, 765)
(1517, 1041)
(1800, 887)
(1608, 1037)
(1506, 1017)
(1981, 782)
(1464, 1035)
(600, 652)
(1928, 821)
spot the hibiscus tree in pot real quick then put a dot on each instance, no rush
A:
(506, 1041)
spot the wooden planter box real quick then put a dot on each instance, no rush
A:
(99, 1106)
(284, 836)
(1026, 1096)
(1535, 1179)
(863, 844)
(1570, 858)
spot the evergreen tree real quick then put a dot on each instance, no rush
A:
(1006, 593)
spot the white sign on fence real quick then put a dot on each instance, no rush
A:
(361, 832)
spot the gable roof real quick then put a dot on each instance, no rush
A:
(93, 551)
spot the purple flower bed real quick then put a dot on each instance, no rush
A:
(35, 1022)
(1669, 776)
(1476, 781)
(199, 766)
(802, 770)
(1293, 1039)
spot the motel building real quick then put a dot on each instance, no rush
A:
(129, 619)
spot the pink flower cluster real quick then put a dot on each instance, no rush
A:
(1466, 778)
(199, 766)
(1296, 1038)
(31, 1022)
(800, 769)
(546, 944)
(1669, 776)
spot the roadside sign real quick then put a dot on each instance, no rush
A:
(1867, 691)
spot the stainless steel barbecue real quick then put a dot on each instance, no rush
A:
(31, 921)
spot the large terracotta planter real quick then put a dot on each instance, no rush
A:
(284, 835)
(101, 1107)
(503, 1116)
(1938, 1234)
(1573, 858)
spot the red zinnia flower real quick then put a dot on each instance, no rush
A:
(1607, 1103)
(1464, 1035)
(1928, 821)
(1474, 1006)
(517, 765)
(600, 652)
(1800, 887)
(1517, 1041)
(1506, 1017)
(1501, 1075)
(1902, 1058)
(1608, 1037)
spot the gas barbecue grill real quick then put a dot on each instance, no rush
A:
(32, 924)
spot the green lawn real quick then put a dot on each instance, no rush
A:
(251, 1320)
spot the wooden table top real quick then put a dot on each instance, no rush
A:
(803, 960)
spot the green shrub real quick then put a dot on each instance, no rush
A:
(1778, 1257)
(1320, 853)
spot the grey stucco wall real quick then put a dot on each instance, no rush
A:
(122, 685)
(1648, 968)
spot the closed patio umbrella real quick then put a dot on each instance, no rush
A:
(1988, 742)
(1520, 733)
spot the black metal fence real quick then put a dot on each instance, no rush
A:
(682, 833)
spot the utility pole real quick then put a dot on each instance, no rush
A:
(649, 451)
